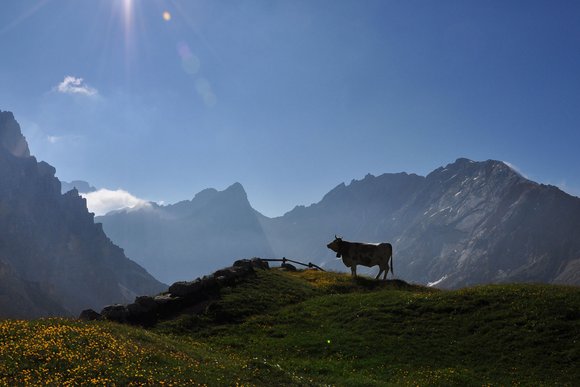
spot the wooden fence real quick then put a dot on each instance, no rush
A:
(284, 260)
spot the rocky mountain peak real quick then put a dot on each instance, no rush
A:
(11, 137)
(235, 192)
(60, 261)
(464, 169)
(236, 188)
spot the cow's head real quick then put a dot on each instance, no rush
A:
(336, 246)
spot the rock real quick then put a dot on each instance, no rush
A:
(182, 297)
(117, 313)
(146, 302)
(258, 263)
(255, 263)
(90, 315)
(143, 311)
(11, 137)
(287, 266)
(225, 274)
(186, 288)
(209, 283)
(163, 299)
(168, 304)
(229, 275)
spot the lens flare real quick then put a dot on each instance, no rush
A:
(189, 61)
(166, 16)
(205, 91)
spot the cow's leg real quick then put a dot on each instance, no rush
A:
(353, 270)
(386, 272)
(380, 271)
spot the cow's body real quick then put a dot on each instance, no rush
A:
(365, 254)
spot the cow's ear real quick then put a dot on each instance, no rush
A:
(337, 255)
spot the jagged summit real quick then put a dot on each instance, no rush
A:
(80, 185)
(11, 137)
(237, 191)
(56, 260)
(193, 236)
(466, 223)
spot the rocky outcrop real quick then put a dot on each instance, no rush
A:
(81, 186)
(191, 296)
(11, 138)
(59, 260)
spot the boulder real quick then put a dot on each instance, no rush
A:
(90, 315)
(255, 263)
(229, 275)
(168, 304)
(288, 267)
(117, 312)
(143, 311)
(146, 302)
(186, 288)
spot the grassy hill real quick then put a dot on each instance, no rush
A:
(314, 328)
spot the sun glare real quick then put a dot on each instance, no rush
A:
(166, 16)
(127, 10)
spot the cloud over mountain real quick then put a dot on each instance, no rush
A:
(74, 85)
(104, 200)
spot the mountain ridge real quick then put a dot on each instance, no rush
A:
(50, 248)
(190, 238)
(464, 223)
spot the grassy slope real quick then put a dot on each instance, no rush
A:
(320, 328)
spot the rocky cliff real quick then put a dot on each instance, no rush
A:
(54, 260)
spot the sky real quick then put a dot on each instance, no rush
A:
(164, 98)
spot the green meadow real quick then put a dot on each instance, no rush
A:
(317, 328)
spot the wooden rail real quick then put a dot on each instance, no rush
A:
(284, 260)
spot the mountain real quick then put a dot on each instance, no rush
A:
(463, 224)
(79, 185)
(54, 260)
(190, 238)
(467, 223)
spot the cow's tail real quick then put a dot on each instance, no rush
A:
(392, 272)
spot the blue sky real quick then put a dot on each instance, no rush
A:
(290, 98)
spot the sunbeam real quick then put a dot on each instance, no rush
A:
(24, 16)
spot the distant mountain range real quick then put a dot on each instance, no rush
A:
(467, 223)
(190, 238)
(54, 260)
(463, 224)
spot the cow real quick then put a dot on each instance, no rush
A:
(365, 254)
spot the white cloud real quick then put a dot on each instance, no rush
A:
(53, 139)
(73, 85)
(104, 200)
(68, 139)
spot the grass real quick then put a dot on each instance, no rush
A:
(314, 328)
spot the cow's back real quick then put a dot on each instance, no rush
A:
(385, 249)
